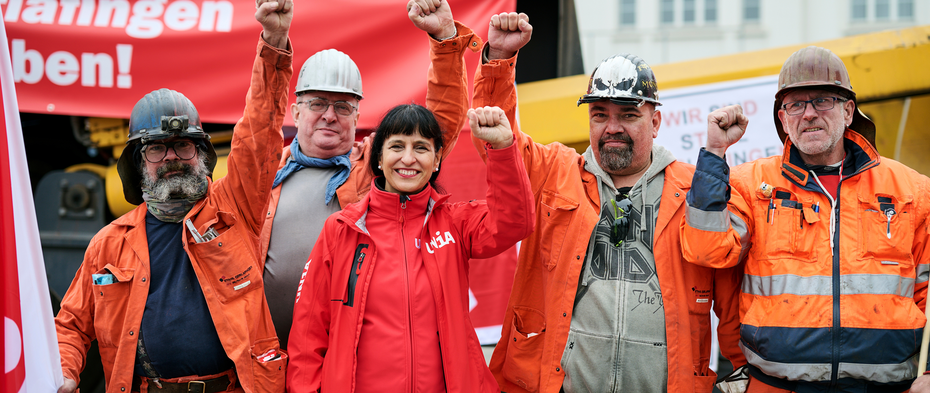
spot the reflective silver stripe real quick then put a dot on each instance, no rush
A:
(707, 221)
(850, 284)
(876, 284)
(923, 273)
(743, 231)
(882, 373)
(791, 371)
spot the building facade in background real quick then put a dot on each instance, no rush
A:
(666, 31)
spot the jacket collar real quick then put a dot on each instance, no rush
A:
(860, 156)
(356, 214)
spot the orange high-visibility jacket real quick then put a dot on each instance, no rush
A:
(833, 291)
(235, 208)
(539, 313)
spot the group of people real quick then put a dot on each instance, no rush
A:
(337, 266)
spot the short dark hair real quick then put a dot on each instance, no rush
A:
(407, 119)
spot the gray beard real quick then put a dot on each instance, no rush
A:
(178, 186)
(615, 159)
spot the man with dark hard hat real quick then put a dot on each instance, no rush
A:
(316, 176)
(172, 291)
(832, 237)
(602, 300)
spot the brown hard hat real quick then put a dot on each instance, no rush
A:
(819, 68)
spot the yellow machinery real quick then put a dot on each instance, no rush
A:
(888, 71)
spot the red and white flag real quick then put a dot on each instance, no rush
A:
(30, 346)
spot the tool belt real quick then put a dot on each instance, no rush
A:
(216, 383)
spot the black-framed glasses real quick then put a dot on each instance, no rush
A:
(621, 225)
(318, 104)
(795, 108)
(155, 152)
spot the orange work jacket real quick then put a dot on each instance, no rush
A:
(539, 313)
(234, 207)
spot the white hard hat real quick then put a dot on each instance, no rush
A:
(330, 70)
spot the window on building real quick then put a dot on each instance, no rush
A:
(667, 11)
(710, 11)
(905, 9)
(882, 9)
(688, 12)
(627, 12)
(858, 10)
(751, 10)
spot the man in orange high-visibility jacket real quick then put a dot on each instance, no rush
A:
(832, 237)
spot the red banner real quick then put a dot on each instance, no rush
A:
(97, 58)
(29, 346)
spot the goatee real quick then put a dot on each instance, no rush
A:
(615, 159)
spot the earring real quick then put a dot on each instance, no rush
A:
(436, 169)
(379, 166)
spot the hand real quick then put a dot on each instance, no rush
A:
(725, 126)
(432, 16)
(507, 34)
(360, 148)
(68, 387)
(921, 384)
(275, 17)
(490, 124)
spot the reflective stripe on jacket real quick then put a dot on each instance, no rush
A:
(833, 291)
(539, 313)
(331, 301)
(234, 207)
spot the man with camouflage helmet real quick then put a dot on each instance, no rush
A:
(316, 177)
(831, 235)
(172, 290)
(601, 300)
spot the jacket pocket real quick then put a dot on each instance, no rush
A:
(269, 366)
(556, 212)
(110, 303)
(227, 259)
(886, 228)
(524, 350)
(781, 231)
(705, 383)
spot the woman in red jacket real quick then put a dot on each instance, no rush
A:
(383, 301)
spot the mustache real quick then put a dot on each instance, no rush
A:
(615, 137)
(173, 167)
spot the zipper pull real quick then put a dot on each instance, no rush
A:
(888, 214)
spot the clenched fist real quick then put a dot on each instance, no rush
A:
(490, 124)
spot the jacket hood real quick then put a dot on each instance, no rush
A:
(661, 158)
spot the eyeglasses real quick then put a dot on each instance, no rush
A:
(621, 225)
(155, 152)
(795, 108)
(342, 108)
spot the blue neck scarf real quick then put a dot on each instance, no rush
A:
(300, 161)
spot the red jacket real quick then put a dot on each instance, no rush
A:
(539, 313)
(235, 207)
(328, 317)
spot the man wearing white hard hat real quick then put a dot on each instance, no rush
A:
(316, 177)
